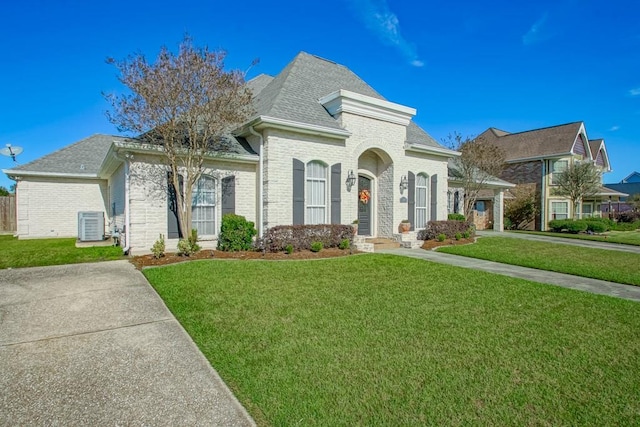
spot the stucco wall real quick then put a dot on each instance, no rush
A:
(48, 207)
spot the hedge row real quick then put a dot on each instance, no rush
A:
(593, 225)
(301, 237)
(448, 228)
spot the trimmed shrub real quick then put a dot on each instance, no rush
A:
(455, 217)
(158, 247)
(458, 236)
(236, 233)
(575, 227)
(466, 234)
(302, 236)
(607, 223)
(316, 246)
(596, 226)
(448, 228)
(558, 225)
(184, 248)
(626, 226)
(441, 237)
(345, 244)
(289, 249)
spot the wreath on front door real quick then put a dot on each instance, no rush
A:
(364, 196)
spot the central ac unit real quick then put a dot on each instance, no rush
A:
(90, 226)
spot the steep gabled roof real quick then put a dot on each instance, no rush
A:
(294, 94)
(549, 142)
(258, 83)
(632, 177)
(599, 153)
(84, 157)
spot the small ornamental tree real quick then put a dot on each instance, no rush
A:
(578, 181)
(523, 208)
(479, 162)
(186, 105)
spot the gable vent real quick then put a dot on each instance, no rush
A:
(90, 226)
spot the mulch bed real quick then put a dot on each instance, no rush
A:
(143, 261)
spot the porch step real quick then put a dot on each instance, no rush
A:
(382, 243)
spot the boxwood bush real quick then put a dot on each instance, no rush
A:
(236, 233)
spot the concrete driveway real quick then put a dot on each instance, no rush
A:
(93, 344)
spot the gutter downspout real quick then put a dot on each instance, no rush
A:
(543, 197)
(127, 157)
(252, 131)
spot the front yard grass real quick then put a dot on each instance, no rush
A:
(386, 340)
(610, 265)
(16, 253)
(622, 237)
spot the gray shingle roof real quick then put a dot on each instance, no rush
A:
(545, 142)
(294, 93)
(83, 157)
(258, 83)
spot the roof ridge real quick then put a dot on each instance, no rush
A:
(542, 128)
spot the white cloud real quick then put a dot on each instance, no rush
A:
(635, 92)
(379, 19)
(538, 32)
(614, 128)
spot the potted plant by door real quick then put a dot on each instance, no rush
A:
(405, 226)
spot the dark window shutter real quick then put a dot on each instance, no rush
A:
(411, 199)
(298, 192)
(336, 197)
(228, 198)
(434, 197)
(173, 228)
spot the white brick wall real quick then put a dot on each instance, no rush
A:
(48, 207)
(377, 144)
(148, 199)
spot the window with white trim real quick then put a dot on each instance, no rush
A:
(203, 206)
(422, 192)
(557, 167)
(559, 210)
(316, 193)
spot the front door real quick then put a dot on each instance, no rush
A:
(364, 205)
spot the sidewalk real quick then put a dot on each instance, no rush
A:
(541, 276)
(93, 344)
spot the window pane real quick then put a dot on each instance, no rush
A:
(422, 192)
(316, 196)
(203, 206)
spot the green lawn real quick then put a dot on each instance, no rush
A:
(386, 340)
(613, 266)
(16, 253)
(623, 237)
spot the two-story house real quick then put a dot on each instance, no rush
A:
(537, 157)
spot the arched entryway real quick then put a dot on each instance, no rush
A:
(375, 193)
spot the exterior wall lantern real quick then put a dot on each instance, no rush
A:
(351, 180)
(404, 184)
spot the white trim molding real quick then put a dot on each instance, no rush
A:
(344, 101)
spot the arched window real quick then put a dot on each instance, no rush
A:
(316, 193)
(203, 206)
(422, 193)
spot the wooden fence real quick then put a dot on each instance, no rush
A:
(8, 213)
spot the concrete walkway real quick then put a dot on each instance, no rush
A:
(541, 276)
(93, 344)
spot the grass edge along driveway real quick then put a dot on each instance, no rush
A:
(603, 264)
(387, 340)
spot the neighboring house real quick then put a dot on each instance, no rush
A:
(629, 185)
(320, 141)
(538, 156)
(488, 209)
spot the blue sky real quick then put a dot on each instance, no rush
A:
(464, 65)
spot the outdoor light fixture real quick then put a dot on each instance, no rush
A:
(404, 184)
(351, 180)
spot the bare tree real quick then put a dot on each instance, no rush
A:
(185, 104)
(634, 201)
(479, 162)
(578, 181)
